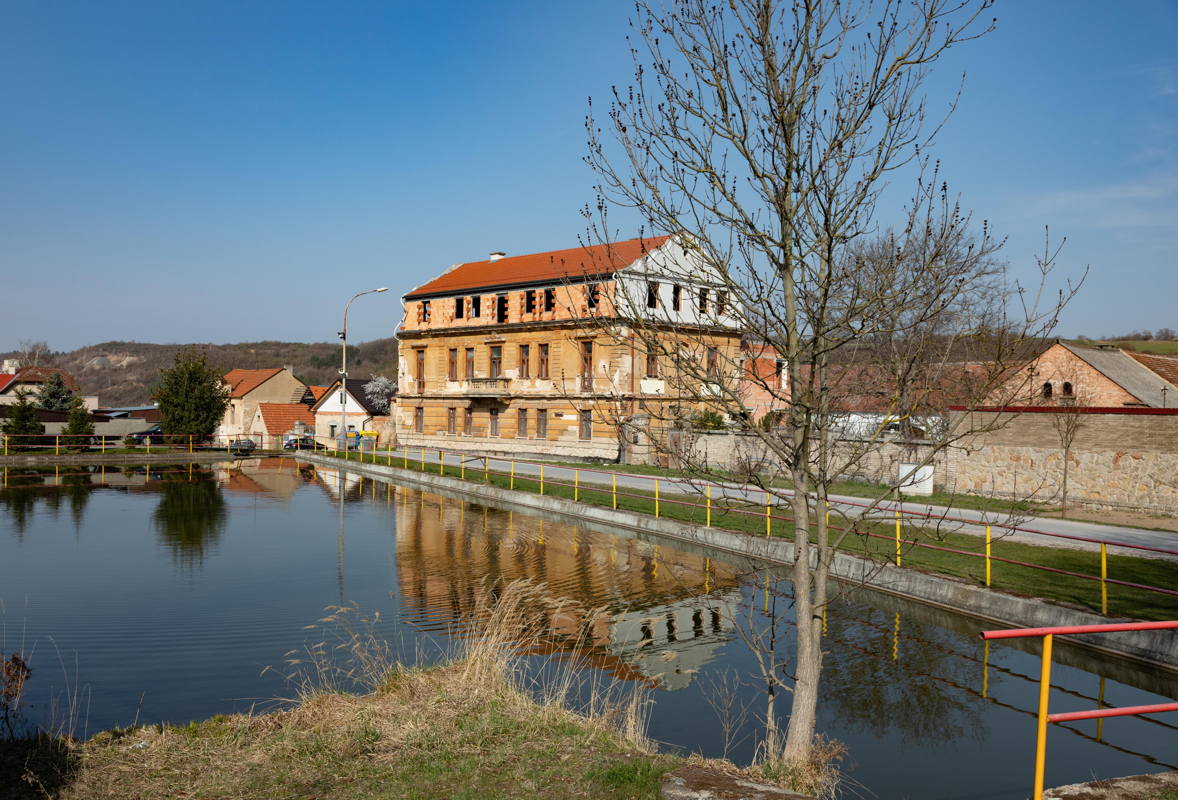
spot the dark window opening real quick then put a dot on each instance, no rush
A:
(542, 366)
(676, 298)
(541, 423)
(721, 302)
(451, 421)
(459, 307)
(469, 363)
(530, 301)
(549, 299)
(521, 426)
(1067, 389)
(713, 363)
(652, 295)
(419, 419)
(452, 364)
(419, 371)
(703, 301)
(497, 361)
(1047, 390)
(652, 364)
(467, 421)
(476, 306)
(494, 421)
(501, 308)
(425, 310)
(525, 353)
(586, 427)
(593, 295)
(587, 366)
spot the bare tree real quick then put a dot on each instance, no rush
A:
(762, 135)
(34, 353)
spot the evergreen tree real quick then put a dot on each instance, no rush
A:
(192, 397)
(79, 426)
(22, 426)
(54, 395)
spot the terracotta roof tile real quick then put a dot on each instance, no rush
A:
(551, 267)
(1165, 366)
(280, 418)
(243, 381)
(318, 392)
(38, 375)
(5, 377)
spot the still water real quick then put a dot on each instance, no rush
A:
(164, 595)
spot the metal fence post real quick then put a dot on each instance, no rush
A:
(615, 492)
(541, 479)
(511, 483)
(708, 493)
(987, 555)
(1103, 579)
(1041, 728)
(897, 537)
(656, 497)
(576, 485)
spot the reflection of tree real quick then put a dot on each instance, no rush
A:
(889, 677)
(190, 517)
(77, 487)
(20, 499)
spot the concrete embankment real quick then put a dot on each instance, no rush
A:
(1158, 648)
(168, 457)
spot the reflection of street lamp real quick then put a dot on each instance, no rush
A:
(343, 335)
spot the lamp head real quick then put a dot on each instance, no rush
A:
(382, 289)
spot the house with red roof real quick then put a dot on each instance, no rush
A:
(538, 354)
(337, 407)
(274, 422)
(249, 387)
(29, 379)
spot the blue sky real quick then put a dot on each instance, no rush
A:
(220, 172)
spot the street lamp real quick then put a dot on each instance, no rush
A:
(343, 335)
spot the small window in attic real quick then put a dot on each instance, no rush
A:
(593, 295)
(1067, 389)
(459, 307)
(530, 301)
(549, 299)
(425, 310)
(476, 306)
(1047, 391)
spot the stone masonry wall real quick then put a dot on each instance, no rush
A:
(1121, 460)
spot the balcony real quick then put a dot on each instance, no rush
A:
(486, 387)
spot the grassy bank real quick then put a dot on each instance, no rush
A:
(475, 727)
(918, 549)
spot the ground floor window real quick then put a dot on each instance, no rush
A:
(419, 419)
(541, 423)
(451, 421)
(586, 425)
(333, 430)
(494, 426)
(467, 421)
(522, 423)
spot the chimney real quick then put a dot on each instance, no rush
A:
(288, 367)
(498, 254)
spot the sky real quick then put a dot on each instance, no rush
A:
(225, 171)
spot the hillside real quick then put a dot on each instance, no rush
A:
(122, 373)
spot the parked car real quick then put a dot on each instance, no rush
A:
(303, 443)
(242, 447)
(152, 434)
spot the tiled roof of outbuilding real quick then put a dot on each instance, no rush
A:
(1165, 366)
(1127, 372)
(243, 381)
(280, 418)
(576, 263)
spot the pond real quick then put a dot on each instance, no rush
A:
(178, 592)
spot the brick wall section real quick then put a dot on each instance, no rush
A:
(1056, 366)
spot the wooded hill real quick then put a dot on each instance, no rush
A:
(123, 373)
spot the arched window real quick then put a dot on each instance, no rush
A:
(1067, 389)
(1047, 390)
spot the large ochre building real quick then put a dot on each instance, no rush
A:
(549, 354)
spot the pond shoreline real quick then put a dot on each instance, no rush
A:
(1155, 648)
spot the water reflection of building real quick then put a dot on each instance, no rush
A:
(275, 477)
(637, 610)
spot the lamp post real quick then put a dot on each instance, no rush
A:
(343, 335)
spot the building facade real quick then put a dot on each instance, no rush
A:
(556, 354)
(249, 387)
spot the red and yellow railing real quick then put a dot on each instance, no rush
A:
(1044, 717)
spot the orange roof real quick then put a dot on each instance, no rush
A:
(38, 375)
(243, 381)
(318, 391)
(5, 377)
(551, 267)
(1164, 366)
(281, 417)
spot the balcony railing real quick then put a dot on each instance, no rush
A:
(486, 387)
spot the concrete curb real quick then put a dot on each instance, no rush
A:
(1157, 648)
